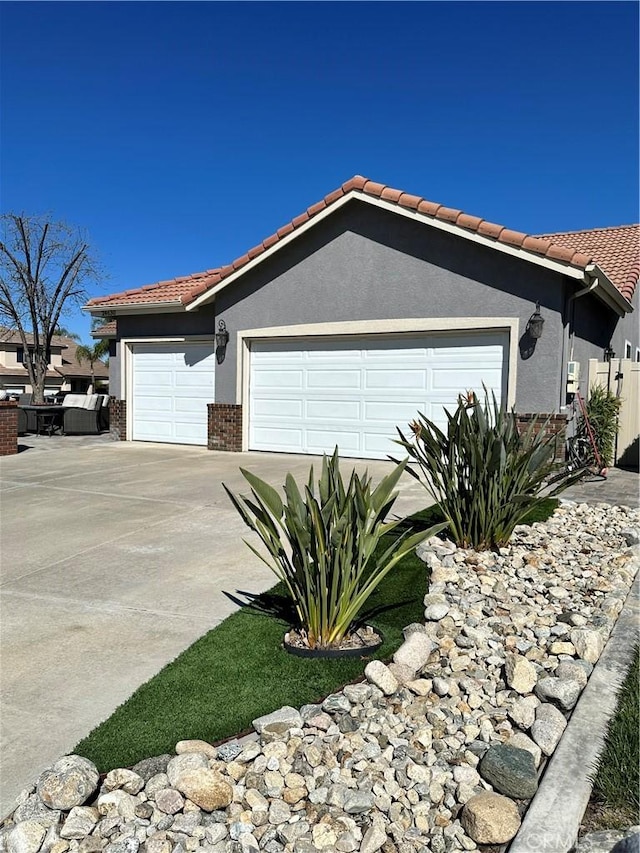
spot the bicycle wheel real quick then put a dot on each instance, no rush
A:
(580, 453)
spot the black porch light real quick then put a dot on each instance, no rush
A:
(609, 353)
(535, 324)
(222, 335)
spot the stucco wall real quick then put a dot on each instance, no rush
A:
(366, 264)
(363, 263)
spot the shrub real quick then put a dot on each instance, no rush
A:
(322, 545)
(603, 408)
(484, 475)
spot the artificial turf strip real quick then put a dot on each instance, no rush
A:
(616, 788)
(239, 671)
(433, 514)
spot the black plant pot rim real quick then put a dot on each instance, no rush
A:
(362, 652)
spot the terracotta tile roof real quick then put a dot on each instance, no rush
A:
(72, 368)
(189, 288)
(616, 250)
(107, 330)
(172, 290)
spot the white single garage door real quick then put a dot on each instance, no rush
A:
(172, 384)
(307, 396)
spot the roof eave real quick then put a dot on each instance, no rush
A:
(137, 308)
(607, 291)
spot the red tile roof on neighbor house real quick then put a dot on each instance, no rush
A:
(186, 289)
(616, 250)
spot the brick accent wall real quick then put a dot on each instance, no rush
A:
(556, 427)
(224, 427)
(8, 428)
(117, 419)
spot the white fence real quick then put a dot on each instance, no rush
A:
(622, 377)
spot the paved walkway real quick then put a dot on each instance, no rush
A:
(114, 558)
(621, 487)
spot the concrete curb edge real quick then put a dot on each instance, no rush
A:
(554, 816)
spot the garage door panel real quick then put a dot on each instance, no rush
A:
(279, 379)
(325, 380)
(413, 379)
(333, 410)
(266, 438)
(356, 391)
(390, 412)
(172, 384)
(320, 441)
(266, 407)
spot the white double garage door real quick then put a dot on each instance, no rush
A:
(307, 396)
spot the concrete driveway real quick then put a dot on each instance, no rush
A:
(114, 558)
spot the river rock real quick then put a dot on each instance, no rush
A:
(548, 727)
(415, 651)
(588, 643)
(80, 821)
(380, 675)
(180, 764)
(521, 741)
(511, 771)
(284, 719)
(564, 692)
(490, 818)
(206, 788)
(202, 746)
(520, 674)
(129, 781)
(26, 837)
(68, 783)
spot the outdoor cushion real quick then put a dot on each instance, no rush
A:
(90, 402)
(76, 400)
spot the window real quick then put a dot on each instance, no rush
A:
(627, 349)
(637, 353)
(20, 355)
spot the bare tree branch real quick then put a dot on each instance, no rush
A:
(44, 267)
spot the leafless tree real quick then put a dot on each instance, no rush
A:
(45, 267)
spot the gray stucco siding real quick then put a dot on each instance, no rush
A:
(363, 263)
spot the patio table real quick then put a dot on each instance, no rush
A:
(48, 417)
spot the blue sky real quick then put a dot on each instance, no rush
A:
(181, 134)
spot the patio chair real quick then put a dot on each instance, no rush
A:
(82, 414)
(22, 422)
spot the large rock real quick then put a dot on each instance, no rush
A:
(520, 674)
(380, 675)
(572, 670)
(521, 741)
(510, 770)
(283, 719)
(26, 837)
(562, 691)
(206, 788)
(588, 643)
(34, 809)
(490, 819)
(548, 727)
(523, 711)
(79, 823)
(196, 746)
(149, 767)
(70, 782)
(181, 763)
(129, 781)
(415, 651)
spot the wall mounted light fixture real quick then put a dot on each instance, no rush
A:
(222, 339)
(535, 324)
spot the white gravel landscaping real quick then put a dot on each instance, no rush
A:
(438, 751)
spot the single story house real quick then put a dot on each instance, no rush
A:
(370, 306)
(64, 371)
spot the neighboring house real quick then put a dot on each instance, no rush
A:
(64, 372)
(370, 306)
